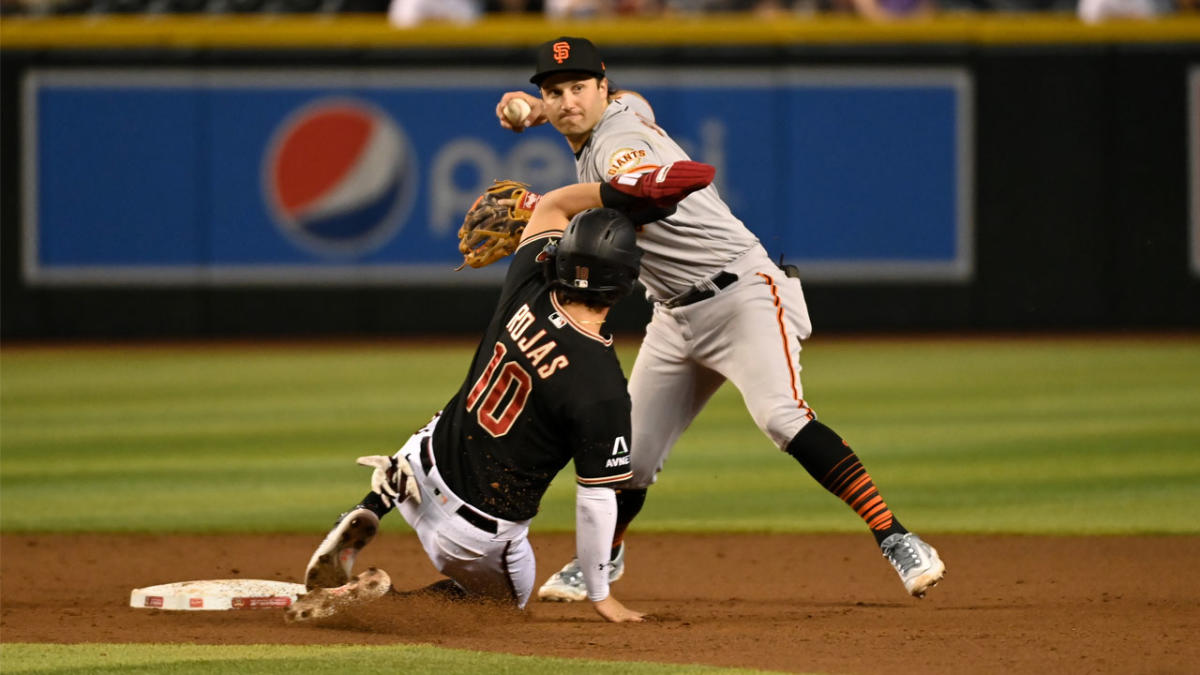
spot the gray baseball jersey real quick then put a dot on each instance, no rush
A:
(747, 330)
(701, 238)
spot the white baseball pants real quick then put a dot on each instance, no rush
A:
(748, 333)
(484, 554)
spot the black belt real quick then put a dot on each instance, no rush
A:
(721, 281)
(473, 517)
(478, 519)
(427, 454)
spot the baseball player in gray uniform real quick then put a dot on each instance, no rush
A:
(722, 310)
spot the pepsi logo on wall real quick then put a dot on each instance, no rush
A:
(339, 177)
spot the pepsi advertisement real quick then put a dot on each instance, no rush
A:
(207, 177)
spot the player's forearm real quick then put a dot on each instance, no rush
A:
(566, 201)
(557, 207)
(633, 193)
(595, 520)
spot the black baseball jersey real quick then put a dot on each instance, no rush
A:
(541, 391)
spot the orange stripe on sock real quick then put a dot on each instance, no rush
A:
(875, 509)
(848, 474)
(862, 480)
(825, 480)
(839, 486)
(863, 501)
(861, 494)
(866, 509)
(853, 479)
(883, 522)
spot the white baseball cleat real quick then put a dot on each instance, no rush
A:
(916, 562)
(325, 602)
(331, 563)
(566, 585)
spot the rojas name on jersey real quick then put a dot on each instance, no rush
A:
(535, 347)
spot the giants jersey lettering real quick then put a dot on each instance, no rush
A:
(541, 392)
(701, 238)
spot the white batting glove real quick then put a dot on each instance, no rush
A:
(392, 479)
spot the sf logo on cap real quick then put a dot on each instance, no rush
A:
(562, 51)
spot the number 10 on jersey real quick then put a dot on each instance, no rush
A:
(493, 389)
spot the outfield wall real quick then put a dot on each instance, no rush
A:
(984, 173)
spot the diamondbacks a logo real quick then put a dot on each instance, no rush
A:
(339, 177)
(562, 51)
(620, 447)
(620, 454)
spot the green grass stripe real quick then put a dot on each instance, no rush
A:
(1038, 436)
(311, 660)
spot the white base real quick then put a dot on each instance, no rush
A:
(217, 594)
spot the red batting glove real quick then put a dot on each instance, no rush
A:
(663, 187)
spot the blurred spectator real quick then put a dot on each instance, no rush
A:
(700, 6)
(407, 13)
(1095, 11)
(511, 6)
(888, 10)
(9, 7)
(582, 9)
(873, 10)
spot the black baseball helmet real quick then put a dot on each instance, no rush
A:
(598, 254)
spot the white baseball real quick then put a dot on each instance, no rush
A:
(516, 110)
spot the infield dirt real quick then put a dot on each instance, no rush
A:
(808, 603)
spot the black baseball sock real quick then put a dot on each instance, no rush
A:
(629, 504)
(829, 460)
(374, 503)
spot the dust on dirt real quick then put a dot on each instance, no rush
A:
(809, 603)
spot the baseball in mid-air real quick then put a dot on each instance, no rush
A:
(516, 111)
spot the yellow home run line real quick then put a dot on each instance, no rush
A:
(269, 31)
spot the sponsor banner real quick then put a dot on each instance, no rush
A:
(203, 177)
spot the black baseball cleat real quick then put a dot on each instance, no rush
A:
(320, 603)
(331, 563)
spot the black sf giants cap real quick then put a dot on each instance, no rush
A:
(567, 54)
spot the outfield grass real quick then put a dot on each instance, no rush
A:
(1063, 436)
(292, 659)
